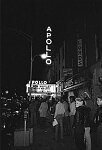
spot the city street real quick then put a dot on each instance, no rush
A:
(51, 75)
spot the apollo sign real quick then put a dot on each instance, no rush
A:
(40, 87)
(48, 46)
(38, 82)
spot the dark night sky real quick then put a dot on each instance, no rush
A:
(32, 17)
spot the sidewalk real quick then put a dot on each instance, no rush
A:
(44, 140)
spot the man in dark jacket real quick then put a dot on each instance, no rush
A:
(82, 125)
(79, 124)
(87, 125)
(98, 122)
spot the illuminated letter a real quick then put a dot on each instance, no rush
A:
(49, 29)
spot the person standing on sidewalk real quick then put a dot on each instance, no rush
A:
(32, 109)
(87, 125)
(66, 119)
(43, 113)
(72, 113)
(98, 122)
(59, 114)
(89, 104)
(79, 125)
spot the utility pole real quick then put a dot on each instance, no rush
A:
(43, 56)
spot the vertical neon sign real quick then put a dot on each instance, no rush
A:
(48, 46)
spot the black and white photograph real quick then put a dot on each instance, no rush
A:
(51, 75)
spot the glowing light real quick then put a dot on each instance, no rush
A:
(17, 112)
(4, 125)
(43, 56)
(6, 92)
(5, 104)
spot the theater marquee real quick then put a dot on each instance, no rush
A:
(43, 88)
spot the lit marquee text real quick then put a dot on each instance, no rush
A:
(48, 46)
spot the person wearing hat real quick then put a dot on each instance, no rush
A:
(98, 122)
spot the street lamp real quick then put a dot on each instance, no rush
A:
(29, 38)
(43, 56)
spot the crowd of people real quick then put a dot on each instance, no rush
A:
(73, 117)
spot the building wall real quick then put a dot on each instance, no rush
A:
(96, 69)
(94, 33)
(62, 60)
(89, 29)
(100, 30)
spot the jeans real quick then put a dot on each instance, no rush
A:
(71, 125)
(66, 125)
(33, 119)
(79, 137)
(87, 137)
(99, 137)
(59, 119)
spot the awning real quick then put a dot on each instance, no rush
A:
(74, 87)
